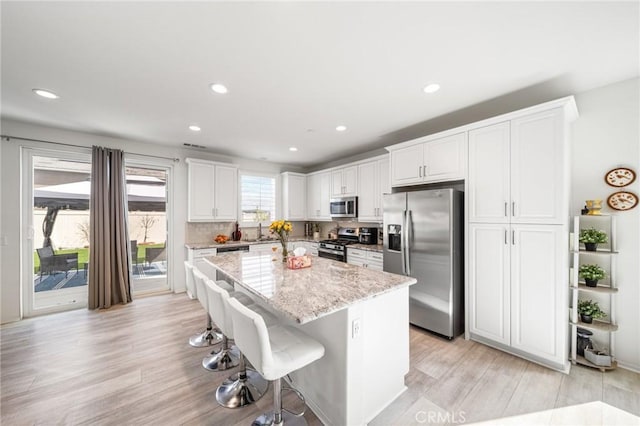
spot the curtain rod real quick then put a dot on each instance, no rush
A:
(8, 138)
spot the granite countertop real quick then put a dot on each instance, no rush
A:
(310, 293)
(200, 246)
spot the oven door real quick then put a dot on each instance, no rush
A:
(332, 254)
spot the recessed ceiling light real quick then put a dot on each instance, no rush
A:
(45, 93)
(293, 149)
(341, 128)
(194, 128)
(431, 88)
(219, 88)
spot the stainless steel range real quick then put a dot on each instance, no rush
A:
(337, 249)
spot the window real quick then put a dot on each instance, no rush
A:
(257, 199)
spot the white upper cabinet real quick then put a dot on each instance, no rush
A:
(489, 174)
(517, 171)
(436, 160)
(294, 199)
(212, 191)
(226, 193)
(539, 169)
(344, 181)
(318, 196)
(407, 165)
(373, 182)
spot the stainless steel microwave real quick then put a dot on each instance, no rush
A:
(344, 207)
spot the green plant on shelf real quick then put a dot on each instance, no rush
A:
(591, 272)
(593, 236)
(590, 308)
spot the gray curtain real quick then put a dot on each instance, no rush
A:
(109, 267)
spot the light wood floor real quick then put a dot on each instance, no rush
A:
(133, 365)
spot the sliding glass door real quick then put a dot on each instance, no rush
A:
(56, 212)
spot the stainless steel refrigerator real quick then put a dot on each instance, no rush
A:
(423, 238)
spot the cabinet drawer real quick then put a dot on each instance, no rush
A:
(204, 253)
(375, 256)
(356, 253)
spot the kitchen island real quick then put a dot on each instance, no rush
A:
(361, 316)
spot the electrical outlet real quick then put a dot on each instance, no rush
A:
(355, 328)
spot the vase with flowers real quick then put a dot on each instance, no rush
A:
(281, 229)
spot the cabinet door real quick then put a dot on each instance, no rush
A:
(489, 291)
(337, 188)
(325, 196)
(445, 159)
(226, 193)
(407, 165)
(384, 185)
(368, 196)
(489, 190)
(201, 177)
(538, 169)
(295, 197)
(313, 197)
(350, 180)
(538, 291)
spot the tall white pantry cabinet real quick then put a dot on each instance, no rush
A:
(518, 216)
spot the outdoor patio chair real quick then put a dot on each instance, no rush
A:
(153, 254)
(51, 262)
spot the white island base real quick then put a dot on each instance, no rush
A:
(365, 362)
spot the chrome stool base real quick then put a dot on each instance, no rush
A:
(223, 359)
(206, 338)
(288, 419)
(241, 389)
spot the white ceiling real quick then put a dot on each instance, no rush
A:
(297, 70)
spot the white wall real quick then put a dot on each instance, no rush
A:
(12, 228)
(606, 136)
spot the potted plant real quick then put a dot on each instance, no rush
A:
(591, 274)
(591, 237)
(589, 310)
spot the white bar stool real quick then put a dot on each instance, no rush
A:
(209, 336)
(204, 338)
(275, 352)
(227, 357)
(246, 386)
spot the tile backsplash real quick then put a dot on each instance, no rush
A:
(205, 232)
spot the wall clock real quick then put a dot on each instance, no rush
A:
(620, 177)
(622, 200)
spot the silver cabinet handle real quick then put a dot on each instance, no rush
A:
(513, 208)
(505, 237)
(424, 171)
(513, 237)
(505, 209)
(419, 171)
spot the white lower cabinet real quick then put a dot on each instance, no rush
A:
(517, 295)
(365, 258)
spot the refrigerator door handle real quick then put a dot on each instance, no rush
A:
(403, 242)
(408, 241)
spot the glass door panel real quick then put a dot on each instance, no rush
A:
(147, 200)
(59, 217)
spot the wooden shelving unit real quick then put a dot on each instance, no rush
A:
(605, 257)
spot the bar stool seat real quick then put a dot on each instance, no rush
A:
(274, 351)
